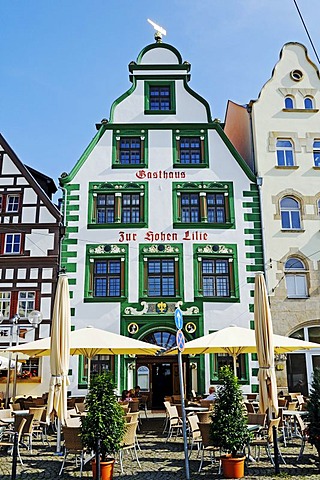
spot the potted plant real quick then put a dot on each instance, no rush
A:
(313, 407)
(103, 426)
(229, 429)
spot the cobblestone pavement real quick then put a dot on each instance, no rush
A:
(160, 460)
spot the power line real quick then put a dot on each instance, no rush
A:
(306, 29)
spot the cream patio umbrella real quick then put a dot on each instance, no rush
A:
(60, 351)
(268, 399)
(90, 341)
(235, 340)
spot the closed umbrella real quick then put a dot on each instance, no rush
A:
(60, 351)
(268, 399)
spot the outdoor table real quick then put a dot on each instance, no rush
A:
(20, 412)
(196, 409)
(294, 414)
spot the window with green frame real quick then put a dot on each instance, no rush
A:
(161, 271)
(99, 364)
(106, 273)
(218, 360)
(201, 203)
(130, 149)
(216, 272)
(159, 97)
(117, 204)
(190, 148)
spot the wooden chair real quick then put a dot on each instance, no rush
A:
(72, 444)
(257, 419)
(250, 407)
(206, 444)
(282, 402)
(129, 443)
(27, 430)
(166, 404)
(206, 403)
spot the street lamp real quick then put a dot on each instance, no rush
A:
(34, 318)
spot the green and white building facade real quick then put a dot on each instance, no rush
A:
(161, 211)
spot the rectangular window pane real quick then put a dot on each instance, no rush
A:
(215, 278)
(208, 287)
(5, 304)
(130, 150)
(295, 217)
(280, 158)
(161, 277)
(107, 278)
(105, 208)
(190, 150)
(159, 97)
(12, 203)
(26, 303)
(285, 220)
(289, 158)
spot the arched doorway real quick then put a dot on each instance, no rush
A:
(159, 376)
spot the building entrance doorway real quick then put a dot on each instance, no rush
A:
(158, 377)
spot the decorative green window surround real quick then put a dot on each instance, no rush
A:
(242, 359)
(227, 252)
(117, 191)
(160, 83)
(161, 252)
(202, 135)
(105, 252)
(203, 191)
(119, 134)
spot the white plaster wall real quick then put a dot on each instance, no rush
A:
(188, 108)
(159, 56)
(39, 242)
(29, 196)
(269, 117)
(8, 167)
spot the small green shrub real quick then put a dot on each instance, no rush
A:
(313, 407)
(104, 419)
(228, 422)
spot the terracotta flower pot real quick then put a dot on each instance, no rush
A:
(232, 467)
(106, 469)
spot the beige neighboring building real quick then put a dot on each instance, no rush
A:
(279, 136)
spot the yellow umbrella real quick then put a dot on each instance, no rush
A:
(60, 351)
(268, 399)
(235, 340)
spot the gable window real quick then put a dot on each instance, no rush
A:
(5, 298)
(308, 103)
(26, 303)
(296, 278)
(316, 153)
(198, 204)
(117, 204)
(13, 203)
(190, 148)
(288, 102)
(12, 243)
(159, 97)
(290, 211)
(285, 157)
(106, 272)
(161, 271)
(129, 148)
(215, 275)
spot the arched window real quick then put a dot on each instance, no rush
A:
(162, 338)
(288, 102)
(285, 156)
(308, 103)
(296, 278)
(290, 213)
(316, 153)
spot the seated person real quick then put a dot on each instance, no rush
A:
(212, 394)
(125, 396)
(137, 393)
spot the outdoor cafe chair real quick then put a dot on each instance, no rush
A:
(134, 406)
(301, 402)
(72, 444)
(206, 444)
(176, 399)
(174, 422)
(206, 403)
(143, 404)
(166, 404)
(264, 439)
(257, 419)
(204, 417)
(19, 422)
(250, 407)
(79, 407)
(303, 427)
(129, 443)
(194, 432)
(27, 430)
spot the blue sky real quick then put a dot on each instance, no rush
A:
(64, 62)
